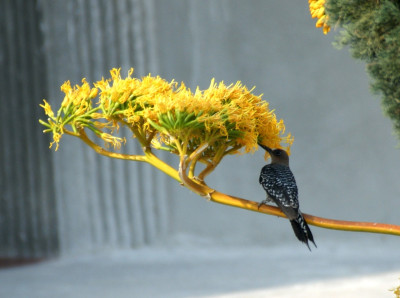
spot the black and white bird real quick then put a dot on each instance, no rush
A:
(278, 181)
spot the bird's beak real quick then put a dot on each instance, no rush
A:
(269, 150)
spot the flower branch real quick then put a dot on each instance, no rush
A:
(201, 127)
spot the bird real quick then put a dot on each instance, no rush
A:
(280, 185)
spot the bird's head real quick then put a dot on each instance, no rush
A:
(278, 156)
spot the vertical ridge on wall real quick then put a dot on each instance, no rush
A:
(28, 226)
(102, 202)
(74, 199)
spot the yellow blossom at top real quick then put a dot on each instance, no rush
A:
(78, 95)
(317, 10)
(169, 115)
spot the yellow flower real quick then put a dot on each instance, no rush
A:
(115, 141)
(66, 87)
(78, 97)
(396, 291)
(317, 10)
(226, 117)
(47, 109)
(56, 140)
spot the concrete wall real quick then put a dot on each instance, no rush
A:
(344, 155)
(28, 221)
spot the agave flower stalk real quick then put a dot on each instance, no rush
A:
(201, 127)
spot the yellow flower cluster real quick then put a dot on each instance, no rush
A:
(169, 115)
(75, 108)
(396, 292)
(317, 10)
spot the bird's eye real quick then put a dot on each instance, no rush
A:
(278, 152)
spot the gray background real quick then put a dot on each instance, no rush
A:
(344, 156)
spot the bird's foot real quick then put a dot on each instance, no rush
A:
(265, 202)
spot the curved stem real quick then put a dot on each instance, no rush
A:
(100, 150)
(192, 169)
(221, 198)
(201, 189)
(207, 170)
(344, 225)
(161, 165)
(214, 163)
(196, 186)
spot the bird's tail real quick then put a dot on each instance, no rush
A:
(302, 231)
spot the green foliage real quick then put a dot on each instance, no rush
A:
(371, 28)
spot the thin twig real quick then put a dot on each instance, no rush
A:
(100, 150)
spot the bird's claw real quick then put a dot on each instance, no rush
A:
(261, 203)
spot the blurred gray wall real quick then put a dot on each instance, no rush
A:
(28, 218)
(344, 155)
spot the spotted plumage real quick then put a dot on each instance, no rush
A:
(280, 185)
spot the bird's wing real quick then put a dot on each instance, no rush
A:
(280, 187)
